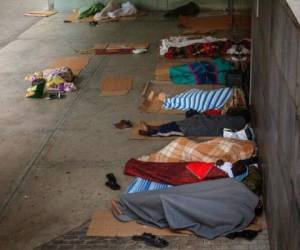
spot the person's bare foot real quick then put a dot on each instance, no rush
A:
(143, 132)
(115, 207)
(162, 96)
(151, 96)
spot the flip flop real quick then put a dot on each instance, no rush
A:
(112, 182)
(151, 240)
(247, 234)
(123, 124)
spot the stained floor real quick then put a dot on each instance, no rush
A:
(55, 154)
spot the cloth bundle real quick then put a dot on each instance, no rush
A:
(206, 46)
(57, 79)
(90, 10)
(114, 10)
(169, 45)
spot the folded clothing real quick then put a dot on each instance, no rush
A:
(199, 100)
(173, 173)
(215, 208)
(183, 149)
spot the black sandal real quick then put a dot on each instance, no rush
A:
(112, 182)
(247, 234)
(151, 240)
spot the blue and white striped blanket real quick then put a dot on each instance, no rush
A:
(200, 100)
(142, 185)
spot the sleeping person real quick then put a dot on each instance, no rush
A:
(201, 124)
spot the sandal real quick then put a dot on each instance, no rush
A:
(112, 182)
(247, 234)
(151, 240)
(123, 124)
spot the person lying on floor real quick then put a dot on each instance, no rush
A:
(215, 208)
(200, 125)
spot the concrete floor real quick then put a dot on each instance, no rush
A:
(55, 154)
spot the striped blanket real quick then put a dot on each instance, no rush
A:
(199, 100)
(142, 185)
(183, 149)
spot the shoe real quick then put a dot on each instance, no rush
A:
(112, 182)
(151, 240)
(123, 124)
(247, 234)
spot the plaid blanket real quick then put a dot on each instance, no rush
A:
(183, 149)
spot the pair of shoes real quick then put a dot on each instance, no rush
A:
(123, 124)
(246, 133)
(112, 182)
(151, 240)
(248, 234)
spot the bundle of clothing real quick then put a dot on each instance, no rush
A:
(114, 10)
(53, 83)
(206, 46)
(90, 10)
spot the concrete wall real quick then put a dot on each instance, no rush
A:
(276, 102)
(155, 4)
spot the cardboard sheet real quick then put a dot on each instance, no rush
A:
(214, 23)
(137, 126)
(75, 63)
(104, 224)
(118, 48)
(116, 85)
(152, 103)
(74, 18)
(41, 13)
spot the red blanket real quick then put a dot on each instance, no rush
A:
(169, 173)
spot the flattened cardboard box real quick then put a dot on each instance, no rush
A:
(41, 13)
(118, 48)
(214, 23)
(116, 85)
(105, 224)
(75, 63)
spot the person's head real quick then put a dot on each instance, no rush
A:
(219, 162)
(238, 168)
(243, 112)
